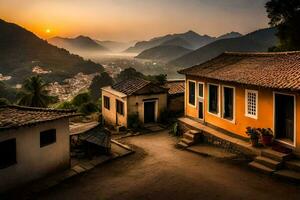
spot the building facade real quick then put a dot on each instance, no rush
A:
(133, 97)
(33, 144)
(239, 90)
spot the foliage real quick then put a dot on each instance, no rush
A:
(129, 73)
(285, 15)
(253, 133)
(88, 108)
(157, 79)
(265, 131)
(35, 94)
(4, 102)
(66, 105)
(81, 99)
(7, 92)
(175, 129)
(98, 82)
(134, 121)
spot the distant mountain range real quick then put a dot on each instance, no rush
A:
(173, 46)
(78, 44)
(21, 50)
(115, 46)
(164, 53)
(256, 41)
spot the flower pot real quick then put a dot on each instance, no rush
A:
(254, 142)
(267, 139)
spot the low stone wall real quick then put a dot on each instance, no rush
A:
(216, 141)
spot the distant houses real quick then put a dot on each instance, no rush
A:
(34, 142)
(238, 90)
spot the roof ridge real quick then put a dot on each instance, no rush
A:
(260, 53)
(38, 108)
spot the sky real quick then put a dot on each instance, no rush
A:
(131, 20)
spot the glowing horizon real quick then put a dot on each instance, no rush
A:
(128, 20)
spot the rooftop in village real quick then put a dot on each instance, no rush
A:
(17, 116)
(175, 86)
(136, 86)
(280, 70)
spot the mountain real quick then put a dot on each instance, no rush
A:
(78, 44)
(178, 42)
(21, 50)
(229, 35)
(163, 53)
(114, 46)
(256, 41)
(194, 39)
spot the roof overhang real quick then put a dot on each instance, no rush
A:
(112, 91)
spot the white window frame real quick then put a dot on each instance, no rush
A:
(201, 99)
(223, 103)
(295, 119)
(219, 99)
(203, 90)
(246, 104)
(188, 96)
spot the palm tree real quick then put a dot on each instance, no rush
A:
(34, 93)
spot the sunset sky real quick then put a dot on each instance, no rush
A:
(127, 20)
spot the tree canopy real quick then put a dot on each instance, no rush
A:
(98, 82)
(285, 15)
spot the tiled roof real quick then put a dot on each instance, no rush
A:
(130, 86)
(17, 116)
(271, 70)
(175, 86)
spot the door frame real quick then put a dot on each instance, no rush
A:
(155, 108)
(295, 119)
(201, 99)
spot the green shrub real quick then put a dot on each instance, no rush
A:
(81, 99)
(133, 121)
(66, 105)
(88, 108)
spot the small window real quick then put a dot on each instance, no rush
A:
(120, 107)
(8, 153)
(201, 90)
(192, 91)
(106, 102)
(47, 137)
(228, 103)
(251, 103)
(213, 103)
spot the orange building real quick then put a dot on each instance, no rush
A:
(238, 90)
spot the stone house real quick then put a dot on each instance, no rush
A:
(237, 90)
(34, 142)
(133, 97)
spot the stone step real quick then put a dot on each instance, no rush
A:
(275, 155)
(262, 168)
(182, 145)
(187, 141)
(273, 164)
(189, 136)
(194, 132)
(289, 175)
(293, 164)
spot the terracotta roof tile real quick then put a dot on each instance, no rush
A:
(130, 86)
(271, 70)
(17, 116)
(175, 87)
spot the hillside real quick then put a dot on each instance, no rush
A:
(191, 37)
(259, 40)
(21, 50)
(78, 44)
(178, 42)
(163, 53)
(229, 35)
(114, 46)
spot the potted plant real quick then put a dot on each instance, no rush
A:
(266, 136)
(254, 136)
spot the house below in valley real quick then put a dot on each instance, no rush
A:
(34, 142)
(238, 90)
(133, 97)
(176, 90)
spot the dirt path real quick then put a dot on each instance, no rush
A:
(159, 171)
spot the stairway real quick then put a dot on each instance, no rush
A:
(269, 161)
(291, 170)
(189, 138)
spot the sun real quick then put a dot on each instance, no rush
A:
(48, 30)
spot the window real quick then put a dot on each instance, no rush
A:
(8, 153)
(228, 102)
(120, 107)
(201, 90)
(192, 91)
(251, 103)
(213, 102)
(47, 137)
(106, 102)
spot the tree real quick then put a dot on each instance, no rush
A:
(129, 73)
(35, 94)
(158, 79)
(285, 15)
(81, 98)
(98, 82)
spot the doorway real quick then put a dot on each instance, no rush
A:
(285, 118)
(149, 111)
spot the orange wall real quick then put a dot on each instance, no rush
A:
(239, 124)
